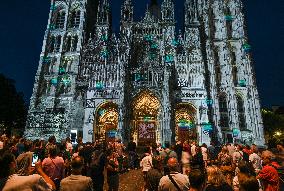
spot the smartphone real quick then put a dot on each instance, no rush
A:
(34, 159)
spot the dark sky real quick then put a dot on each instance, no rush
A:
(23, 24)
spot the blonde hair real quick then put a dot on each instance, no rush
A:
(215, 176)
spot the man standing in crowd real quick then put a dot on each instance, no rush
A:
(9, 181)
(174, 181)
(166, 154)
(268, 175)
(76, 182)
(197, 180)
(131, 148)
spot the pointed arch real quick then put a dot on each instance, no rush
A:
(74, 18)
(241, 112)
(223, 110)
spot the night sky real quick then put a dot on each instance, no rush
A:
(23, 24)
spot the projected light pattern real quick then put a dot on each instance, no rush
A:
(229, 17)
(247, 48)
(169, 58)
(100, 85)
(185, 124)
(209, 102)
(242, 83)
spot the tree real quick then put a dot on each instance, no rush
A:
(13, 110)
(273, 127)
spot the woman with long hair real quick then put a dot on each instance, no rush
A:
(216, 181)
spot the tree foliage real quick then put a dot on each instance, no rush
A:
(13, 110)
(273, 126)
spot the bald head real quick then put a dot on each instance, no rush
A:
(173, 164)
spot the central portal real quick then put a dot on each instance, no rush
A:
(145, 111)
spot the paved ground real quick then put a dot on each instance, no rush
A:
(130, 181)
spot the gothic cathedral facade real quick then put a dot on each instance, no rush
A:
(148, 82)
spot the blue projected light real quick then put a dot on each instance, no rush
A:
(104, 53)
(242, 83)
(104, 38)
(53, 7)
(247, 48)
(111, 134)
(61, 71)
(66, 81)
(146, 118)
(169, 58)
(99, 85)
(207, 126)
(236, 132)
(209, 102)
(102, 112)
(46, 59)
(229, 17)
(175, 42)
(54, 81)
(185, 124)
(148, 38)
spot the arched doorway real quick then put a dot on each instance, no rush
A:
(106, 124)
(145, 111)
(185, 122)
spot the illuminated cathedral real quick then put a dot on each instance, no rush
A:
(149, 81)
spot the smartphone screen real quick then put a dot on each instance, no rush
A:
(34, 159)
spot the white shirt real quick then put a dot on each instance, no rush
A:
(204, 153)
(26, 183)
(146, 163)
(167, 185)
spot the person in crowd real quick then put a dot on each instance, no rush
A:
(54, 166)
(20, 146)
(224, 157)
(146, 162)
(38, 149)
(174, 180)
(248, 183)
(216, 181)
(238, 155)
(178, 149)
(76, 181)
(51, 143)
(197, 180)
(131, 148)
(197, 161)
(97, 167)
(211, 151)
(26, 179)
(185, 159)
(246, 152)
(231, 148)
(204, 152)
(268, 175)
(166, 154)
(245, 170)
(69, 147)
(193, 148)
(154, 174)
(255, 159)
(112, 171)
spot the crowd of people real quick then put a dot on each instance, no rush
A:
(185, 166)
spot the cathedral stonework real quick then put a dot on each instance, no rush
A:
(148, 82)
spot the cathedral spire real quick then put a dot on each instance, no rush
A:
(104, 13)
(168, 11)
(127, 11)
(155, 10)
(191, 12)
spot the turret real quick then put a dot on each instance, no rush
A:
(168, 11)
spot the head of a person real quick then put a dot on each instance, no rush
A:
(24, 164)
(197, 179)
(239, 147)
(248, 182)
(157, 162)
(8, 165)
(198, 149)
(254, 149)
(173, 164)
(246, 168)
(204, 145)
(68, 140)
(147, 150)
(267, 157)
(280, 147)
(225, 149)
(52, 139)
(215, 176)
(53, 151)
(77, 164)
